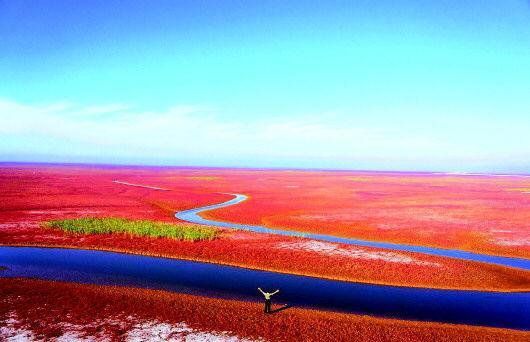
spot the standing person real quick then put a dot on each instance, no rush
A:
(268, 296)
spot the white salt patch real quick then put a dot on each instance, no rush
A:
(243, 237)
(511, 242)
(156, 331)
(74, 332)
(76, 336)
(385, 226)
(332, 249)
(500, 231)
(141, 331)
(9, 331)
(330, 217)
(8, 225)
(23, 224)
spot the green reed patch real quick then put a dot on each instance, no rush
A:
(112, 225)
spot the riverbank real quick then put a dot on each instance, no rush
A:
(31, 195)
(196, 216)
(503, 310)
(294, 256)
(35, 308)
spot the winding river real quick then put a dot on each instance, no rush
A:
(193, 216)
(507, 310)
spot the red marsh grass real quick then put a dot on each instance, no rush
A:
(52, 309)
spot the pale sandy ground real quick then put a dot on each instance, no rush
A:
(141, 186)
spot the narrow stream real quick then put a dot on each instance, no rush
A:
(193, 216)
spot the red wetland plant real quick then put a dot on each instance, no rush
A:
(47, 310)
(32, 195)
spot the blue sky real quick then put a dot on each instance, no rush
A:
(391, 85)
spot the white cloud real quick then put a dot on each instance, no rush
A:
(106, 109)
(191, 134)
(180, 129)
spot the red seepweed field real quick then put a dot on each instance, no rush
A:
(476, 213)
(35, 194)
(486, 214)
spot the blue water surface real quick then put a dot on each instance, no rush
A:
(193, 216)
(508, 310)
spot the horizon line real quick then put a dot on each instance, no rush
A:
(271, 168)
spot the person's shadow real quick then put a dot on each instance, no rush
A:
(285, 307)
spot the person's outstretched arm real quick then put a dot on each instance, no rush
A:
(260, 290)
(275, 292)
